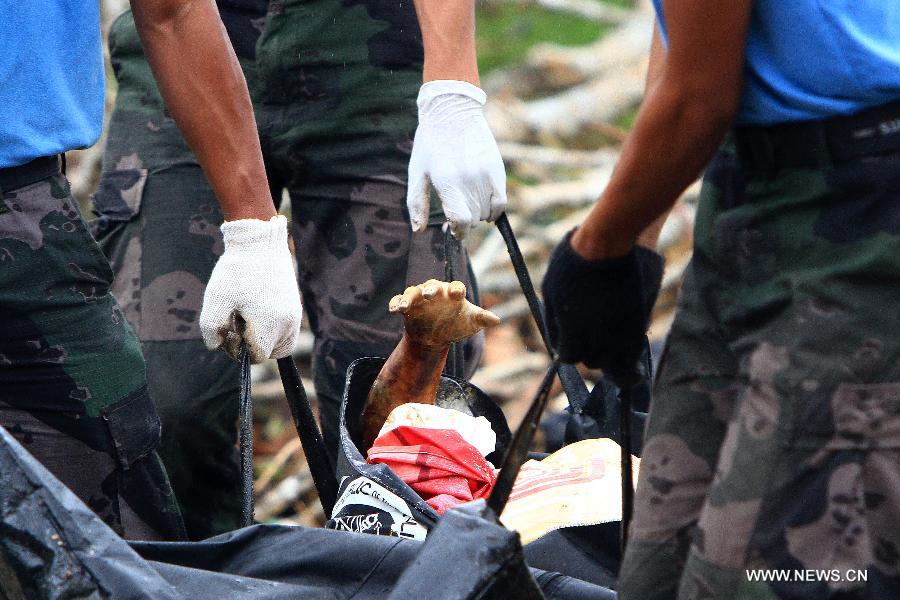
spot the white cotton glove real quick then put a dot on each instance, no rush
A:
(455, 151)
(252, 293)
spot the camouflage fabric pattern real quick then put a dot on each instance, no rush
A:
(774, 436)
(334, 84)
(72, 384)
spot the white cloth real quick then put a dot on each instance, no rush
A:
(254, 280)
(455, 151)
(475, 430)
(578, 485)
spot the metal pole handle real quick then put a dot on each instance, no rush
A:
(309, 434)
(571, 379)
(246, 440)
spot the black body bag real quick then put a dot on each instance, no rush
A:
(373, 499)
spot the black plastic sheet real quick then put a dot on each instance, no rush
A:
(53, 546)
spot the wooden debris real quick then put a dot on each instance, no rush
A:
(290, 489)
(288, 451)
(627, 45)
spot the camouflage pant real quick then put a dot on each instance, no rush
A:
(774, 437)
(334, 86)
(72, 385)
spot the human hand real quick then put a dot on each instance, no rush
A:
(455, 151)
(598, 310)
(252, 294)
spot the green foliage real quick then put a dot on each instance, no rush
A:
(620, 3)
(514, 178)
(626, 121)
(507, 31)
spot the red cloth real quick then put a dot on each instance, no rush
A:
(442, 467)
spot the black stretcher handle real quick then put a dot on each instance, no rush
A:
(517, 453)
(625, 446)
(572, 382)
(310, 436)
(245, 440)
(307, 429)
(454, 366)
(521, 269)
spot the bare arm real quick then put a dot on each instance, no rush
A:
(201, 81)
(657, 59)
(435, 314)
(650, 235)
(448, 33)
(685, 115)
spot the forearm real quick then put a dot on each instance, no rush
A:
(656, 61)
(673, 139)
(649, 237)
(448, 34)
(201, 82)
(412, 373)
(690, 103)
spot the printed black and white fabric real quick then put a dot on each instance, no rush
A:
(371, 497)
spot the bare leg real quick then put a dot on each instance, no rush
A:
(435, 315)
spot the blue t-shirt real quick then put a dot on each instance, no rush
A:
(51, 78)
(813, 59)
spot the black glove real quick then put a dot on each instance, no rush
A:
(599, 310)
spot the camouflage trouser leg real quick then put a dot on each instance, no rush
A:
(334, 86)
(773, 446)
(159, 227)
(72, 385)
(336, 122)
